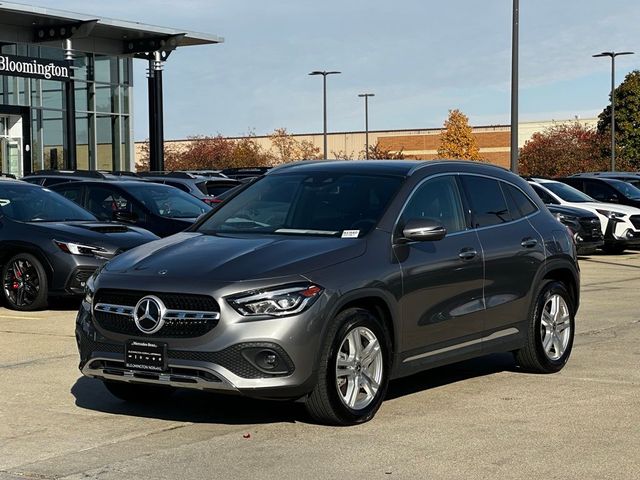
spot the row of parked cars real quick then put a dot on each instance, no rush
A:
(58, 227)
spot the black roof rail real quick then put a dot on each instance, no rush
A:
(70, 173)
(8, 175)
(166, 174)
(120, 173)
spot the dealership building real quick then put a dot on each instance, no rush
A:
(66, 88)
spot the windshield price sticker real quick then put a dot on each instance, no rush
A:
(350, 233)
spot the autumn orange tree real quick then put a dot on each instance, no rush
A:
(565, 149)
(457, 140)
(287, 148)
(377, 152)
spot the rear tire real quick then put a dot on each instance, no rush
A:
(137, 393)
(24, 283)
(353, 374)
(550, 331)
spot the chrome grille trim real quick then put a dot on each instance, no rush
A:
(127, 311)
(117, 309)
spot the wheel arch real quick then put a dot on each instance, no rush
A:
(567, 274)
(10, 248)
(380, 303)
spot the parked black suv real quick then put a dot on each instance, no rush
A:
(323, 280)
(584, 225)
(160, 209)
(50, 247)
(605, 189)
(205, 188)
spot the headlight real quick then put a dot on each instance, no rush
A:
(278, 302)
(79, 249)
(89, 290)
(610, 214)
(565, 218)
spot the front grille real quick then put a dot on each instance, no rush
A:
(590, 228)
(173, 301)
(635, 220)
(187, 315)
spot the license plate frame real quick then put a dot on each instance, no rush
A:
(145, 356)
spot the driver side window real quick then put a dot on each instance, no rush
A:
(437, 199)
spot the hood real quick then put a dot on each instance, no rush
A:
(616, 207)
(234, 257)
(108, 235)
(573, 211)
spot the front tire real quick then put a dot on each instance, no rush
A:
(550, 331)
(353, 374)
(24, 283)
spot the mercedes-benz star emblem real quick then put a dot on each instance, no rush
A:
(149, 314)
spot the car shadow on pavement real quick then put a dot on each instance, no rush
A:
(190, 406)
(203, 407)
(456, 372)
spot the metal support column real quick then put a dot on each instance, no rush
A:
(515, 27)
(156, 120)
(152, 105)
(70, 158)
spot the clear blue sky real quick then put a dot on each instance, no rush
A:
(420, 58)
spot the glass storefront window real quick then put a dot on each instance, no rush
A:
(82, 142)
(51, 94)
(102, 95)
(105, 69)
(106, 98)
(82, 96)
(104, 138)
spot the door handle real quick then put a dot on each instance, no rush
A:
(467, 253)
(529, 242)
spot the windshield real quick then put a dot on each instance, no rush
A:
(626, 189)
(168, 201)
(568, 193)
(346, 205)
(28, 203)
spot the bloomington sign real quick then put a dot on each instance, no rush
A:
(35, 68)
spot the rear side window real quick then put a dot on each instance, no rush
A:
(71, 192)
(488, 205)
(519, 204)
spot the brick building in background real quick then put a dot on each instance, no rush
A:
(420, 144)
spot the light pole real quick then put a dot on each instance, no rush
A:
(515, 28)
(613, 56)
(324, 102)
(366, 122)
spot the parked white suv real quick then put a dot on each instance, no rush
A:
(620, 223)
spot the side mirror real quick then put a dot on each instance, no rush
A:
(124, 216)
(423, 230)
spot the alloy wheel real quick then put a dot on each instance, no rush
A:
(21, 283)
(555, 327)
(359, 368)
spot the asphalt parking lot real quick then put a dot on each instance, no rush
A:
(478, 419)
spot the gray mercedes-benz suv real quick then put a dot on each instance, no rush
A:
(323, 280)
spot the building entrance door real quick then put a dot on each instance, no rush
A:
(11, 144)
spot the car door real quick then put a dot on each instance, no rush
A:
(442, 280)
(513, 251)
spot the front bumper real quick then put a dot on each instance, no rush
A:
(217, 361)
